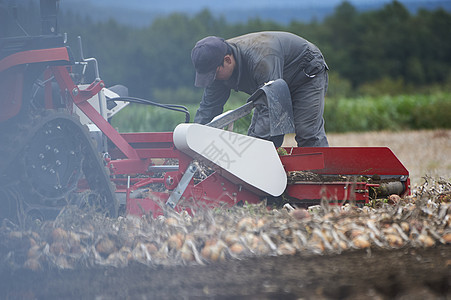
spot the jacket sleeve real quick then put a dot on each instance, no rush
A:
(268, 68)
(212, 103)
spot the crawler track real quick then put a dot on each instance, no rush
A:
(41, 163)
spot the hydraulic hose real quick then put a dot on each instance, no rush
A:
(174, 107)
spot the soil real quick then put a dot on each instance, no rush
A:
(377, 274)
(372, 273)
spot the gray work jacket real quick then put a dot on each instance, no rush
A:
(261, 57)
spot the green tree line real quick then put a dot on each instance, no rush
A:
(383, 51)
(376, 59)
(374, 52)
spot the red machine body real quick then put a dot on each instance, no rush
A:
(353, 163)
(146, 168)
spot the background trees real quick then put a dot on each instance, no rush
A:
(383, 51)
(389, 51)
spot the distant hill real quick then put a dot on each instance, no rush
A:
(142, 12)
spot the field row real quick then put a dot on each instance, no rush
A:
(401, 112)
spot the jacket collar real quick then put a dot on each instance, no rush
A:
(236, 76)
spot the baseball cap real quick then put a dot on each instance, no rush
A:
(207, 55)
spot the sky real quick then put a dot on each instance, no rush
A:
(194, 5)
(141, 12)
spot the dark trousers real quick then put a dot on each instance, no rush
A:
(308, 109)
(307, 97)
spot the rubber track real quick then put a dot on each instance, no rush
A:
(15, 136)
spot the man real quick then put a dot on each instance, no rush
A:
(247, 62)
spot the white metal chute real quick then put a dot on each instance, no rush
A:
(242, 159)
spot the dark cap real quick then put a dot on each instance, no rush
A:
(207, 56)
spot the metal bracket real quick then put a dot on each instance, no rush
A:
(232, 116)
(181, 187)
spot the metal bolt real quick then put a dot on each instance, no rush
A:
(56, 151)
(52, 171)
(47, 147)
(43, 167)
(75, 91)
(41, 156)
(58, 163)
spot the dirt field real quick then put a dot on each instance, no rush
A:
(415, 268)
(400, 274)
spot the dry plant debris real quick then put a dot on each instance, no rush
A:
(78, 239)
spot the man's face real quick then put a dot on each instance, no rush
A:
(225, 71)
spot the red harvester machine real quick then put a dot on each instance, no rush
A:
(49, 159)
